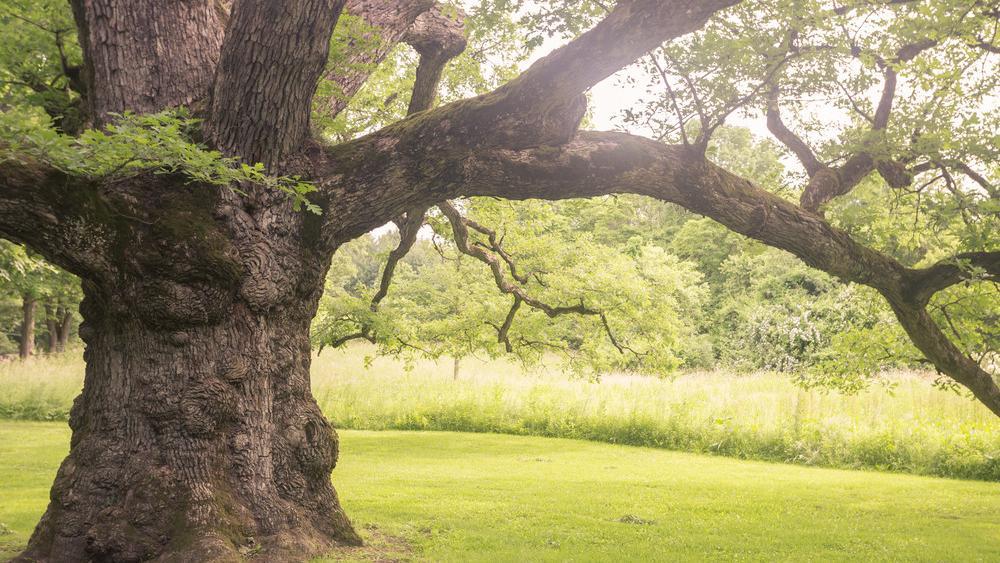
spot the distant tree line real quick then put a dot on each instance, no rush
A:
(38, 303)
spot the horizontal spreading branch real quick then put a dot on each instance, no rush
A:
(60, 216)
(542, 107)
(946, 273)
(594, 164)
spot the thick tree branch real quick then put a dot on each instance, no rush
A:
(541, 107)
(60, 216)
(632, 29)
(595, 164)
(271, 60)
(942, 352)
(513, 143)
(786, 137)
(602, 163)
(924, 283)
(905, 53)
(387, 22)
(438, 38)
(145, 57)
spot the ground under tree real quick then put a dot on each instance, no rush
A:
(196, 437)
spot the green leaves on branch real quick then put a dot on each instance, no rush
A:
(135, 144)
(443, 302)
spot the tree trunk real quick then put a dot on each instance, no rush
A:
(197, 444)
(52, 327)
(65, 322)
(196, 437)
(27, 347)
(146, 56)
(456, 368)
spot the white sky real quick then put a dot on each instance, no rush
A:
(609, 98)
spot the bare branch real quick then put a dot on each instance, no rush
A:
(785, 135)
(681, 120)
(338, 342)
(460, 227)
(409, 226)
(496, 245)
(925, 282)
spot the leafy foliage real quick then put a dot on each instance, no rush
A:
(25, 276)
(443, 302)
(134, 144)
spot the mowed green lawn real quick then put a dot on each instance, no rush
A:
(461, 497)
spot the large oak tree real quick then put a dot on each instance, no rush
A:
(196, 437)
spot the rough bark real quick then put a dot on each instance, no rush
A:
(361, 180)
(27, 344)
(63, 218)
(271, 60)
(196, 437)
(194, 444)
(126, 69)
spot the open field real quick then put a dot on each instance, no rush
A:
(911, 427)
(461, 497)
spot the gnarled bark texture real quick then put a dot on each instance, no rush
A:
(196, 437)
(126, 68)
(194, 444)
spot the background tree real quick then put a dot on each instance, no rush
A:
(195, 436)
(46, 297)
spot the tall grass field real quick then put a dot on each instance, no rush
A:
(908, 426)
